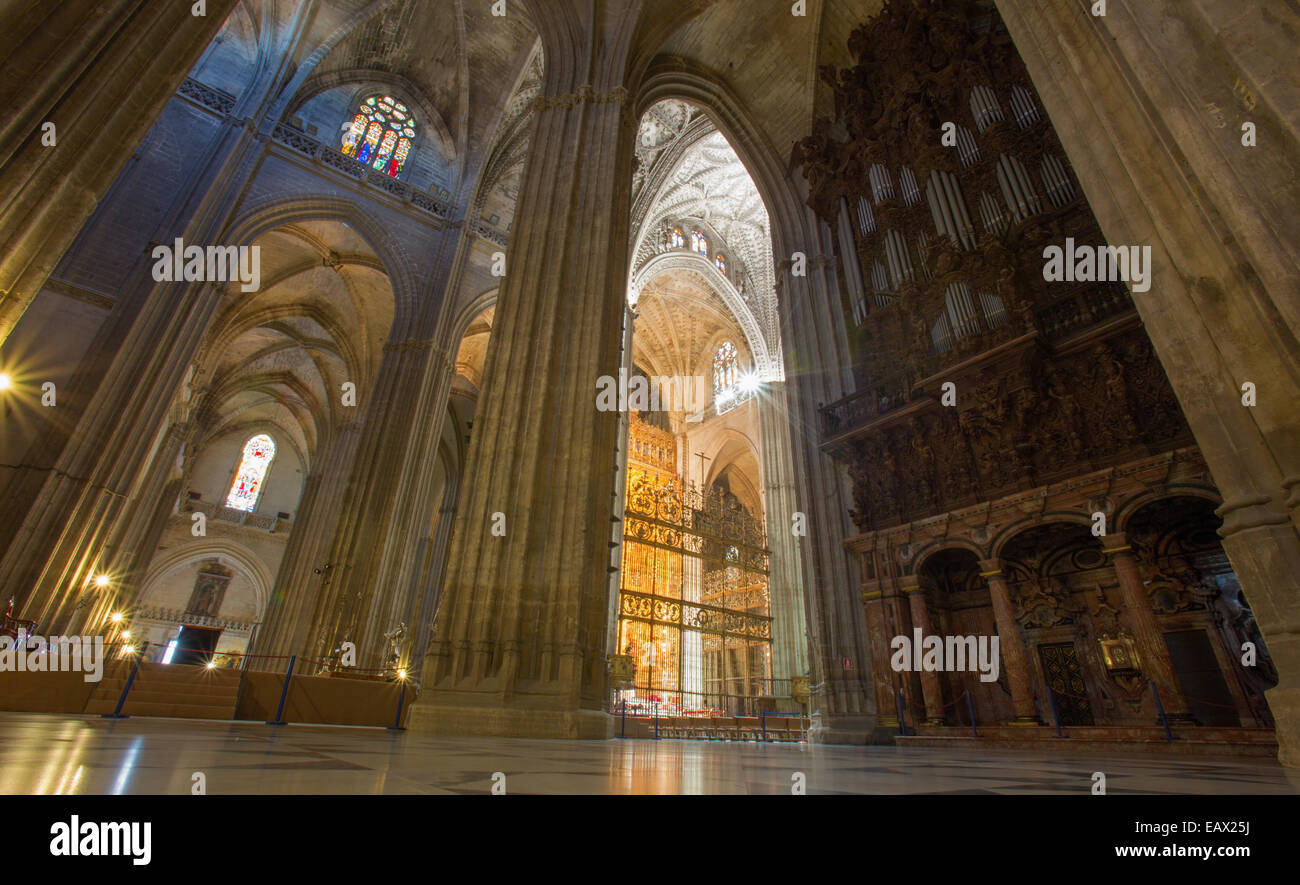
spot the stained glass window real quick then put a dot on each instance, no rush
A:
(700, 243)
(679, 239)
(725, 368)
(352, 137)
(720, 263)
(388, 131)
(372, 139)
(385, 150)
(244, 491)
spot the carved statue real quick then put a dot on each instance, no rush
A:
(395, 637)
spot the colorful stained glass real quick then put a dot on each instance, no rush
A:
(725, 368)
(720, 263)
(399, 156)
(679, 239)
(353, 135)
(385, 149)
(388, 137)
(700, 243)
(244, 491)
(372, 139)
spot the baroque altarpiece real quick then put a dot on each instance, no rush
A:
(694, 604)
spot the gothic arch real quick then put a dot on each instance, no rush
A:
(466, 314)
(431, 123)
(943, 545)
(245, 558)
(1020, 526)
(277, 212)
(685, 80)
(766, 363)
(1135, 504)
(282, 436)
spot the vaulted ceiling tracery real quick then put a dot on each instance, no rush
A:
(689, 176)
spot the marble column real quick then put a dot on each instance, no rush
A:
(1155, 660)
(101, 75)
(931, 687)
(1014, 654)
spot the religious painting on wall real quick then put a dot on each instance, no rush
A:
(209, 589)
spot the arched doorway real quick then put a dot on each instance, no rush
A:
(696, 619)
(1221, 661)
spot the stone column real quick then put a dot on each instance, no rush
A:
(1156, 662)
(101, 75)
(817, 357)
(303, 571)
(1013, 649)
(789, 627)
(520, 644)
(931, 687)
(373, 552)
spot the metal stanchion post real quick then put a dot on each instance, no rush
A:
(121, 701)
(397, 721)
(1164, 720)
(284, 694)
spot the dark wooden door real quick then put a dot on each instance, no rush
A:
(1065, 677)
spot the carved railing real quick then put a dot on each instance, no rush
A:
(301, 143)
(243, 518)
(357, 171)
(207, 96)
(1088, 305)
(491, 234)
(176, 616)
(855, 410)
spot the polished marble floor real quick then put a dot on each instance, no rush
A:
(46, 754)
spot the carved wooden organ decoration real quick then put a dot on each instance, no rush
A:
(944, 182)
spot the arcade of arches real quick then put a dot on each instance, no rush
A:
(850, 405)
